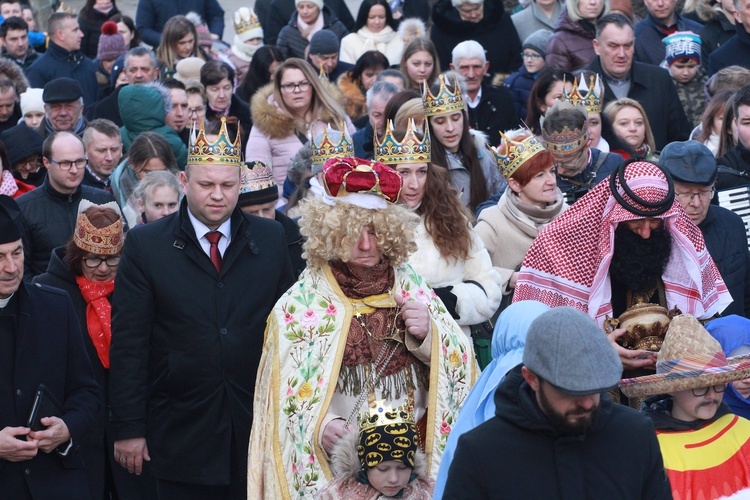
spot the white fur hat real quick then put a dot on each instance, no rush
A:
(458, 3)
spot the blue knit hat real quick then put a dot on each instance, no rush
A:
(683, 44)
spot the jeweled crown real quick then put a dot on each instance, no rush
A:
(445, 101)
(255, 177)
(328, 148)
(411, 149)
(588, 96)
(245, 20)
(565, 142)
(511, 154)
(381, 414)
(220, 152)
(108, 240)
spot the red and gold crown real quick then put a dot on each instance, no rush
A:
(445, 101)
(256, 176)
(346, 176)
(411, 149)
(566, 142)
(590, 97)
(245, 20)
(220, 152)
(105, 241)
(328, 148)
(511, 154)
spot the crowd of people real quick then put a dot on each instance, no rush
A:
(375, 249)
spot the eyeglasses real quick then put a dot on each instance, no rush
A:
(292, 87)
(529, 55)
(67, 164)
(197, 111)
(702, 391)
(94, 262)
(34, 162)
(703, 196)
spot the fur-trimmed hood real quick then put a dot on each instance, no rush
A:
(13, 71)
(345, 462)
(354, 99)
(277, 123)
(411, 28)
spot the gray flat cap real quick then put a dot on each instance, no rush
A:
(570, 351)
(689, 161)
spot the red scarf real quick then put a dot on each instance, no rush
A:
(98, 314)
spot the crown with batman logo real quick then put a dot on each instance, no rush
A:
(446, 101)
(588, 96)
(220, 152)
(387, 433)
(511, 154)
(410, 149)
(332, 144)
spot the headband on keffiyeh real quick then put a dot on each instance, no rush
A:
(568, 263)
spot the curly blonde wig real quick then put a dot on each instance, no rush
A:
(332, 231)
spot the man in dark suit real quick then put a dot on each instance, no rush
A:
(40, 343)
(651, 86)
(192, 295)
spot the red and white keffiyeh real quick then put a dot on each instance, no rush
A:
(568, 263)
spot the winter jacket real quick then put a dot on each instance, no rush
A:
(495, 32)
(25, 63)
(293, 44)
(508, 229)
(716, 33)
(532, 19)
(693, 97)
(91, 26)
(239, 109)
(649, 34)
(571, 46)
(618, 458)
(354, 97)
(294, 242)
(273, 137)
(152, 15)
(281, 11)
(734, 52)
(520, 84)
(363, 142)
(49, 218)
(599, 166)
(726, 241)
(737, 159)
(58, 62)
(494, 113)
(474, 283)
(142, 110)
(387, 42)
(652, 87)
(108, 108)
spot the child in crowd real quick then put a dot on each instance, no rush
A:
(521, 82)
(382, 460)
(683, 60)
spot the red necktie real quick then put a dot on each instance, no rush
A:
(213, 238)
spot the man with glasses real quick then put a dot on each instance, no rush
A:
(706, 448)
(693, 169)
(49, 212)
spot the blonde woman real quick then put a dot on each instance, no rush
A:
(294, 105)
(632, 130)
(571, 46)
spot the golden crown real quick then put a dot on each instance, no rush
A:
(63, 8)
(511, 154)
(245, 20)
(565, 142)
(256, 177)
(327, 148)
(590, 97)
(411, 149)
(105, 241)
(381, 414)
(445, 101)
(220, 152)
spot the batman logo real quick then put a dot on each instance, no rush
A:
(396, 429)
(384, 447)
(397, 454)
(410, 457)
(373, 458)
(372, 439)
(360, 450)
(402, 442)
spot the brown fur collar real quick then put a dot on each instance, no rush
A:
(272, 120)
(356, 102)
(345, 462)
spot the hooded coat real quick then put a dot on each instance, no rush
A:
(539, 461)
(142, 110)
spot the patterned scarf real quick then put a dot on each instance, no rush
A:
(568, 263)
(98, 314)
(8, 184)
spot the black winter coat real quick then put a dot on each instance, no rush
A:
(726, 241)
(652, 87)
(281, 11)
(519, 454)
(49, 218)
(649, 47)
(716, 32)
(737, 159)
(495, 113)
(91, 23)
(58, 62)
(736, 51)
(187, 341)
(520, 84)
(293, 44)
(48, 350)
(294, 241)
(495, 32)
